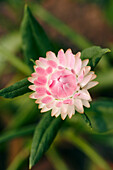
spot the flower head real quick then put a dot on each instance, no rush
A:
(61, 83)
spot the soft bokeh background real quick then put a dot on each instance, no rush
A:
(86, 23)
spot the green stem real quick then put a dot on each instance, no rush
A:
(85, 147)
(19, 159)
(56, 159)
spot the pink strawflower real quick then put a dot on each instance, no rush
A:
(61, 83)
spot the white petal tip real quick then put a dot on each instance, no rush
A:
(63, 116)
(70, 117)
(78, 54)
(61, 50)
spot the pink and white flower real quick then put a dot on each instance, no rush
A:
(61, 83)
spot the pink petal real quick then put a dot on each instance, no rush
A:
(32, 87)
(42, 80)
(91, 72)
(41, 90)
(34, 75)
(43, 61)
(64, 111)
(41, 105)
(84, 95)
(93, 76)
(62, 58)
(35, 67)
(49, 70)
(63, 115)
(33, 95)
(54, 111)
(85, 62)
(48, 92)
(86, 103)
(39, 64)
(68, 101)
(70, 110)
(47, 99)
(31, 79)
(76, 94)
(37, 95)
(78, 105)
(51, 56)
(78, 63)
(36, 83)
(60, 67)
(87, 69)
(38, 101)
(58, 104)
(45, 109)
(91, 84)
(86, 80)
(81, 75)
(57, 114)
(59, 91)
(86, 91)
(70, 59)
(73, 71)
(56, 75)
(68, 89)
(52, 84)
(50, 105)
(40, 70)
(52, 63)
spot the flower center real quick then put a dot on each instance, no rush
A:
(62, 84)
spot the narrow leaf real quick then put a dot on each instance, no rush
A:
(94, 55)
(87, 120)
(17, 89)
(44, 135)
(34, 39)
(77, 39)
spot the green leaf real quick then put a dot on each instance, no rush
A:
(17, 89)
(94, 55)
(34, 39)
(101, 115)
(12, 134)
(44, 135)
(79, 40)
(15, 61)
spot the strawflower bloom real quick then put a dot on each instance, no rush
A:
(61, 83)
